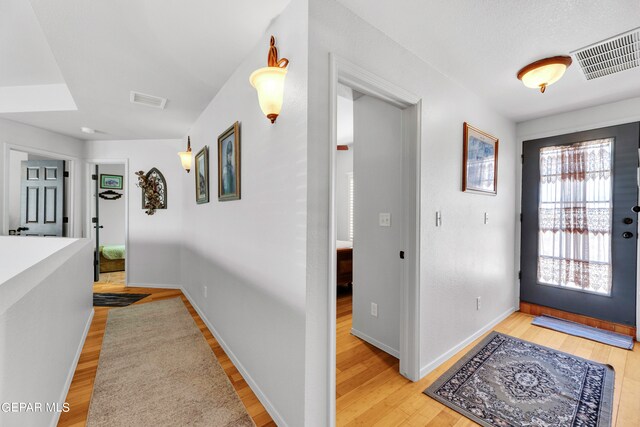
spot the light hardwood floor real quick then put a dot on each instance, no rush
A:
(371, 392)
(81, 388)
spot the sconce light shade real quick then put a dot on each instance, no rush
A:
(185, 156)
(542, 73)
(269, 82)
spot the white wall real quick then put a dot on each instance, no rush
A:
(377, 131)
(29, 138)
(462, 259)
(251, 253)
(153, 251)
(112, 212)
(344, 167)
(45, 313)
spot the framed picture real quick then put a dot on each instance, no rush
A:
(479, 162)
(112, 182)
(202, 176)
(229, 164)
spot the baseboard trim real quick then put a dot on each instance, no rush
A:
(374, 342)
(153, 285)
(72, 371)
(275, 415)
(452, 351)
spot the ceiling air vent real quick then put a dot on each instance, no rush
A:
(147, 100)
(610, 56)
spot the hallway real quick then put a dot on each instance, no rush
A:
(79, 396)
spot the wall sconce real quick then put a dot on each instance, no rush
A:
(185, 156)
(269, 82)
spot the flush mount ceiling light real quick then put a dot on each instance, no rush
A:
(185, 156)
(542, 73)
(269, 82)
(85, 129)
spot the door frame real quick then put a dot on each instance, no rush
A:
(89, 169)
(73, 167)
(346, 73)
(520, 138)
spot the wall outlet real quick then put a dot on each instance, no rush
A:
(478, 304)
(486, 218)
(204, 290)
(438, 218)
(385, 219)
(374, 309)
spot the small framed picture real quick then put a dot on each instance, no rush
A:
(479, 162)
(202, 176)
(112, 182)
(229, 164)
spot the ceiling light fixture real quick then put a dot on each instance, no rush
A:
(185, 156)
(544, 72)
(85, 129)
(269, 82)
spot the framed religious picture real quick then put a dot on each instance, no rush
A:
(202, 175)
(479, 162)
(229, 164)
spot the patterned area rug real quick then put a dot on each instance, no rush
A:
(505, 381)
(116, 300)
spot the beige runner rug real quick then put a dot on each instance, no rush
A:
(156, 369)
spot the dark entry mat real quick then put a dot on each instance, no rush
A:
(116, 300)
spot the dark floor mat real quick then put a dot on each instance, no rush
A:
(116, 300)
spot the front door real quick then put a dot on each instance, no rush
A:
(42, 198)
(579, 238)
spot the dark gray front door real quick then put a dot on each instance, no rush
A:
(577, 203)
(42, 198)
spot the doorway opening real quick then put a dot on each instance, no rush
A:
(39, 194)
(374, 226)
(107, 220)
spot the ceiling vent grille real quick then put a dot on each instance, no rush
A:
(147, 100)
(610, 56)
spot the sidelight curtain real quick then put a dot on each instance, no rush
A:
(574, 214)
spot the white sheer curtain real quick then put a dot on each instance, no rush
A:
(575, 207)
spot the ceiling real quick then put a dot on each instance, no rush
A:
(83, 57)
(482, 44)
(102, 50)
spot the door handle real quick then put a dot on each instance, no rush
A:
(19, 229)
(401, 254)
(102, 226)
(627, 235)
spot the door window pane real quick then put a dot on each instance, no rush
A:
(574, 214)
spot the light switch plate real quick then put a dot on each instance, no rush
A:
(385, 219)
